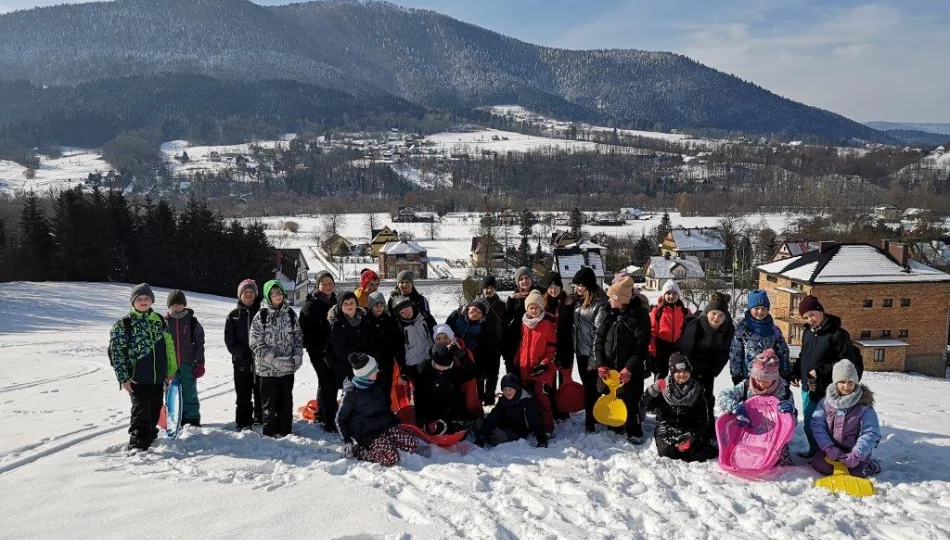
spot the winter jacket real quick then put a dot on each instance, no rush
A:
(511, 323)
(277, 343)
(822, 347)
(747, 344)
(417, 334)
(480, 338)
(730, 398)
(496, 313)
(362, 297)
(389, 340)
(623, 339)
(707, 348)
(237, 328)
(438, 394)
(147, 354)
(348, 336)
(364, 414)
(854, 429)
(521, 415)
(314, 324)
(538, 346)
(189, 348)
(676, 422)
(586, 322)
(667, 323)
(420, 302)
(561, 309)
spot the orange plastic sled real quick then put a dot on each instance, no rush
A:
(439, 440)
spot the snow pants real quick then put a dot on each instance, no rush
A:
(706, 380)
(147, 401)
(487, 379)
(190, 408)
(385, 448)
(248, 389)
(327, 387)
(591, 392)
(808, 409)
(278, 402)
(698, 451)
(868, 467)
(543, 393)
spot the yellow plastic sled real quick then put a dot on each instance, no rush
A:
(841, 481)
(609, 410)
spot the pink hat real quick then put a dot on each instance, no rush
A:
(765, 367)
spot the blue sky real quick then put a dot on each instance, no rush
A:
(869, 60)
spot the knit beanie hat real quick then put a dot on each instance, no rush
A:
(375, 298)
(809, 303)
(442, 356)
(765, 367)
(324, 274)
(758, 298)
(405, 275)
(142, 289)
(248, 284)
(175, 296)
(400, 302)
(511, 381)
(363, 364)
(671, 286)
(718, 305)
(480, 305)
(843, 371)
(524, 270)
(443, 329)
(678, 362)
(622, 289)
(489, 281)
(367, 276)
(551, 278)
(618, 276)
(585, 277)
(535, 297)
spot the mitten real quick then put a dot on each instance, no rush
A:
(625, 375)
(539, 369)
(199, 370)
(603, 372)
(742, 416)
(852, 459)
(833, 453)
(684, 446)
(786, 407)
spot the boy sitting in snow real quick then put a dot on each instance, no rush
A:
(369, 428)
(439, 399)
(143, 356)
(845, 424)
(515, 416)
(764, 380)
(680, 414)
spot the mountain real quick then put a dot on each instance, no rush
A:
(370, 49)
(942, 129)
(915, 137)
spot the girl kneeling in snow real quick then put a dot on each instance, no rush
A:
(764, 380)
(680, 414)
(439, 397)
(369, 428)
(845, 424)
(515, 416)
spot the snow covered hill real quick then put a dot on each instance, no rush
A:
(63, 472)
(60, 173)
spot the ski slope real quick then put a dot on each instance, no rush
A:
(64, 474)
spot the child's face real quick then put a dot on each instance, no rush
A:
(373, 375)
(248, 297)
(405, 287)
(534, 310)
(580, 290)
(406, 312)
(443, 339)
(814, 318)
(474, 314)
(616, 302)
(524, 283)
(759, 312)
(488, 292)
(670, 297)
(276, 297)
(378, 309)
(372, 286)
(509, 393)
(554, 290)
(681, 376)
(846, 387)
(175, 309)
(142, 303)
(327, 286)
(349, 307)
(715, 318)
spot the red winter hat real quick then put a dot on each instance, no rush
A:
(809, 303)
(367, 276)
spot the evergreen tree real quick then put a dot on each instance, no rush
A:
(576, 223)
(524, 248)
(124, 251)
(200, 235)
(36, 251)
(643, 250)
(664, 228)
(68, 229)
(159, 252)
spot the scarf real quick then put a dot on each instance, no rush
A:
(356, 319)
(362, 383)
(838, 401)
(531, 322)
(180, 315)
(772, 389)
(764, 328)
(682, 395)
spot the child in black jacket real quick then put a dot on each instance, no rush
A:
(680, 414)
(516, 416)
(438, 388)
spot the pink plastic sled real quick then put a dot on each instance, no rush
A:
(756, 448)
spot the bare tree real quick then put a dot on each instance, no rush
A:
(371, 223)
(433, 227)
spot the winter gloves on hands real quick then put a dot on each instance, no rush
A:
(742, 416)
(852, 459)
(625, 376)
(603, 372)
(786, 407)
(539, 369)
(199, 370)
(833, 453)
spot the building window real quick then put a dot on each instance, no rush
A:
(905, 302)
(885, 334)
(903, 333)
(796, 300)
(796, 285)
(867, 303)
(878, 355)
(773, 279)
(865, 334)
(888, 302)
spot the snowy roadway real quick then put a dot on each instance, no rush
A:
(64, 474)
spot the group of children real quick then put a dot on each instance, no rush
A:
(378, 352)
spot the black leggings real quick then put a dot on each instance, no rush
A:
(591, 392)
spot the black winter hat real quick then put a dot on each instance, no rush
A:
(552, 278)
(142, 289)
(480, 305)
(489, 281)
(679, 362)
(718, 305)
(586, 278)
(346, 296)
(175, 296)
(442, 356)
(511, 381)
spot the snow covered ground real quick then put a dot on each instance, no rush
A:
(64, 172)
(63, 473)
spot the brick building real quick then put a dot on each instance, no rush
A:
(395, 257)
(897, 310)
(703, 243)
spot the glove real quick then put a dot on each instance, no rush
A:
(684, 446)
(625, 375)
(298, 361)
(603, 372)
(833, 453)
(661, 384)
(199, 370)
(786, 407)
(742, 416)
(736, 379)
(539, 369)
(852, 459)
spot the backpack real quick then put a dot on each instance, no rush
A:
(264, 311)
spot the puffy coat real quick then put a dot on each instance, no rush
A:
(675, 422)
(854, 429)
(277, 343)
(538, 345)
(822, 347)
(496, 313)
(189, 347)
(586, 322)
(364, 414)
(623, 339)
(480, 338)
(561, 309)
(348, 336)
(387, 335)
(747, 344)
(438, 395)
(237, 328)
(511, 333)
(730, 398)
(707, 348)
(667, 323)
(417, 334)
(314, 324)
(521, 415)
(147, 354)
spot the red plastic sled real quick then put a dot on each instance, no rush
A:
(401, 395)
(439, 440)
(163, 418)
(407, 415)
(569, 397)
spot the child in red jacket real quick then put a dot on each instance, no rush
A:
(667, 321)
(536, 354)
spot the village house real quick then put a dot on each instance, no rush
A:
(562, 239)
(292, 272)
(631, 213)
(487, 253)
(570, 258)
(794, 248)
(337, 246)
(887, 212)
(895, 309)
(680, 269)
(381, 237)
(703, 243)
(608, 220)
(407, 214)
(395, 257)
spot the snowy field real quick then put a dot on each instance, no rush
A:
(58, 174)
(64, 474)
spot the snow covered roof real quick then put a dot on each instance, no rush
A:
(871, 343)
(402, 248)
(852, 263)
(697, 240)
(585, 244)
(567, 264)
(662, 268)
